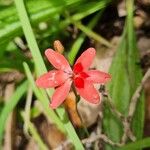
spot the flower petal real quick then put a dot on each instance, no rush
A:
(98, 76)
(86, 58)
(58, 60)
(53, 78)
(89, 92)
(60, 94)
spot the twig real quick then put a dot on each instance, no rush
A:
(19, 42)
(98, 144)
(136, 95)
(113, 108)
(102, 137)
(132, 106)
(27, 111)
(127, 131)
(99, 124)
(9, 134)
(125, 121)
(63, 145)
(109, 101)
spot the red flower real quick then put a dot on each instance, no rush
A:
(63, 76)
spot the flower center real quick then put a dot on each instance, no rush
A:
(78, 75)
(78, 68)
(79, 82)
(79, 79)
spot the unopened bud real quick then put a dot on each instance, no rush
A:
(58, 46)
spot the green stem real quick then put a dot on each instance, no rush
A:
(93, 35)
(77, 44)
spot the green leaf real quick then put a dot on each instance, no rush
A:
(126, 76)
(140, 144)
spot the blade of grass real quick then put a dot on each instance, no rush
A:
(89, 8)
(134, 71)
(140, 144)
(70, 130)
(92, 34)
(43, 99)
(40, 66)
(8, 108)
